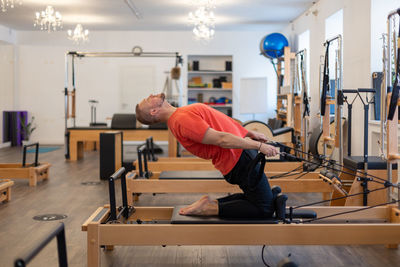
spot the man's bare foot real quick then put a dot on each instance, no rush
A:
(195, 203)
(203, 207)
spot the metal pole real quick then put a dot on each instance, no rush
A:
(340, 108)
(66, 148)
(389, 83)
(383, 96)
(74, 90)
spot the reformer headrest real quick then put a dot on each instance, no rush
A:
(123, 121)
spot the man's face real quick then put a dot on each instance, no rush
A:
(153, 101)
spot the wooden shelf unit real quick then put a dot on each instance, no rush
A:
(210, 67)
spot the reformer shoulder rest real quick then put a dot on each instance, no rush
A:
(184, 219)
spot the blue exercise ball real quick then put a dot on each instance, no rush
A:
(272, 45)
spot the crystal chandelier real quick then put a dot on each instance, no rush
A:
(210, 4)
(202, 32)
(48, 19)
(4, 4)
(203, 20)
(78, 35)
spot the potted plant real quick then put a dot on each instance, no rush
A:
(27, 129)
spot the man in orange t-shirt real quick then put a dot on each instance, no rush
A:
(210, 134)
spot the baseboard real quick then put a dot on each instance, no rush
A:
(6, 144)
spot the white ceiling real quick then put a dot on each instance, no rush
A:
(158, 15)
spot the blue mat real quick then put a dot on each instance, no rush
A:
(43, 149)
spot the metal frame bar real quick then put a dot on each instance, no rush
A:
(36, 163)
(73, 54)
(58, 232)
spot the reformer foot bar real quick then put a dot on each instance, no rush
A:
(34, 172)
(161, 226)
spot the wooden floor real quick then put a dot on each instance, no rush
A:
(63, 193)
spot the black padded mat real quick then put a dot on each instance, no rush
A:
(182, 219)
(202, 175)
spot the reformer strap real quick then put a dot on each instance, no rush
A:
(325, 81)
(305, 96)
(396, 86)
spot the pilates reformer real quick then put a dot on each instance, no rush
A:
(35, 171)
(111, 226)
(211, 181)
(75, 136)
(5, 190)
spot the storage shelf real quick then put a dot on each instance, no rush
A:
(209, 89)
(211, 72)
(220, 106)
(208, 69)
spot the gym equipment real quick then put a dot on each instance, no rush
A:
(394, 98)
(93, 112)
(301, 110)
(34, 172)
(326, 100)
(111, 153)
(59, 233)
(272, 45)
(78, 135)
(189, 175)
(282, 135)
(69, 95)
(5, 190)
(153, 226)
(391, 133)
(123, 121)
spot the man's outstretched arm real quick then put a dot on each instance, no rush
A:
(228, 140)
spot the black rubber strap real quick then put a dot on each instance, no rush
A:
(325, 81)
(396, 86)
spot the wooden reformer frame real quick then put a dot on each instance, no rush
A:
(34, 172)
(152, 226)
(295, 183)
(5, 190)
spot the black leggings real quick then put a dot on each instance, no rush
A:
(256, 201)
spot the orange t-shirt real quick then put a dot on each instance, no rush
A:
(189, 125)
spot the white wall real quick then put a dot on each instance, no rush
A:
(40, 72)
(379, 11)
(356, 51)
(7, 35)
(6, 81)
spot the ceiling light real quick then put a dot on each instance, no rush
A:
(4, 4)
(202, 16)
(205, 3)
(134, 9)
(48, 19)
(203, 20)
(203, 32)
(79, 35)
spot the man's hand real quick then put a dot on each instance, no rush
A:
(257, 136)
(268, 150)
